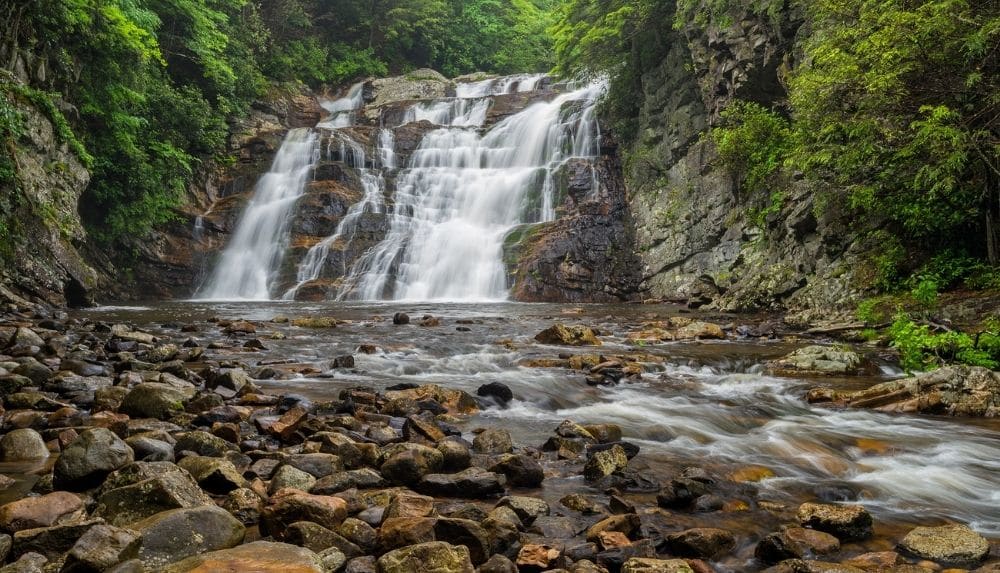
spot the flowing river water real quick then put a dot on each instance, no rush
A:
(707, 404)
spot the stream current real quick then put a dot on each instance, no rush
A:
(707, 404)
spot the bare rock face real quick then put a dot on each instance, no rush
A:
(41, 222)
(418, 84)
(952, 390)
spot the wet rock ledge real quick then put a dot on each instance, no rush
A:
(129, 452)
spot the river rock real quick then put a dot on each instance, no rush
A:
(535, 557)
(699, 330)
(203, 444)
(256, 557)
(156, 400)
(650, 565)
(100, 548)
(432, 557)
(847, 522)
(88, 459)
(215, 475)
(228, 382)
(23, 444)
(527, 509)
(409, 466)
(950, 390)
(468, 483)
(44, 511)
(290, 505)
(144, 489)
(496, 390)
(559, 334)
(493, 441)
(364, 478)
(454, 401)
(795, 543)
(400, 318)
(701, 542)
(290, 477)
(408, 504)
(178, 533)
(605, 463)
(953, 544)
(244, 504)
(521, 470)
(498, 564)
(817, 360)
(317, 538)
(628, 524)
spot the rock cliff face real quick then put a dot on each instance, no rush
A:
(694, 236)
(41, 237)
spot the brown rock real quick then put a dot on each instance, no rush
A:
(559, 334)
(844, 521)
(533, 557)
(701, 542)
(288, 506)
(44, 511)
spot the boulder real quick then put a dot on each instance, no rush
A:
(23, 444)
(468, 483)
(43, 511)
(520, 470)
(145, 489)
(215, 475)
(228, 382)
(527, 509)
(559, 334)
(847, 522)
(179, 533)
(408, 504)
(89, 458)
(493, 441)
(244, 504)
(409, 466)
(605, 463)
(700, 331)
(364, 478)
(290, 477)
(155, 400)
(496, 390)
(951, 544)
(817, 360)
(256, 557)
(288, 506)
(431, 557)
(795, 543)
(101, 548)
(701, 542)
(203, 444)
(53, 541)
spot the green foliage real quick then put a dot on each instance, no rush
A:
(925, 293)
(616, 39)
(753, 143)
(893, 104)
(921, 349)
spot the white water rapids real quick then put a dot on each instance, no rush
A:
(448, 209)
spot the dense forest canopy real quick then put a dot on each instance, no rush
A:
(891, 109)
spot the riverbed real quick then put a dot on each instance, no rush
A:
(705, 404)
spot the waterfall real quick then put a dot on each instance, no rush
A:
(446, 210)
(462, 192)
(255, 251)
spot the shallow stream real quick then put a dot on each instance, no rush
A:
(707, 404)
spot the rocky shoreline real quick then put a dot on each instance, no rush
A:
(135, 452)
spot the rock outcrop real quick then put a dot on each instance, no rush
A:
(41, 237)
(952, 390)
(695, 237)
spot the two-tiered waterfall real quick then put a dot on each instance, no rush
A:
(444, 206)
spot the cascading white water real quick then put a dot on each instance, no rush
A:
(373, 184)
(255, 251)
(342, 110)
(461, 194)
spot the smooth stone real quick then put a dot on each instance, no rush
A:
(256, 557)
(953, 544)
(90, 458)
